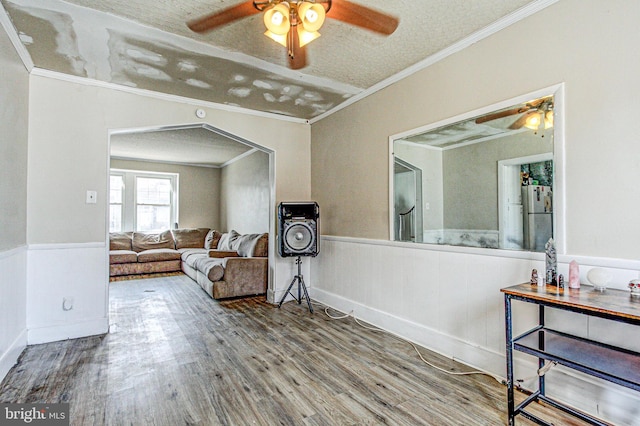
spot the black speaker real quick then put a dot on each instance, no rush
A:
(298, 225)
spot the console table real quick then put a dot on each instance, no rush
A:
(607, 362)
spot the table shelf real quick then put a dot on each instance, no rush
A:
(606, 362)
(611, 363)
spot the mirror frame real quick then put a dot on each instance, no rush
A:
(559, 198)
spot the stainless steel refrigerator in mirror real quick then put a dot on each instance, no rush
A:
(538, 218)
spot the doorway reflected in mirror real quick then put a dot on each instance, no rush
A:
(481, 180)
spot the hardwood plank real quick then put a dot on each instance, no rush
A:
(174, 356)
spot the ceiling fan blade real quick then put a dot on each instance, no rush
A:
(362, 16)
(533, 105)
(500, 114)
(297, 55)
(520, 122)
(223, 17)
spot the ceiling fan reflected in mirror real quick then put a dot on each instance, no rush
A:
(534, 115)
(295, 23)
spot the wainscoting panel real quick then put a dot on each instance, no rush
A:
(453, 294)
(448, 299)
(67, 291)
(13, 307)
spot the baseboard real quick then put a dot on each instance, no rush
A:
(279, 294)
(594, 396)
(9, 358)
(474, 356)
(271, 296)
(67, 331)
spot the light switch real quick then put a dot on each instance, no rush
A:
(92, 197)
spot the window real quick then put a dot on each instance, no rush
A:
(153, 203)
(116, 202)
(142, 201)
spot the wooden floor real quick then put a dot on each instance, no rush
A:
(174, 356)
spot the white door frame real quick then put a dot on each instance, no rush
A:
(506, 185)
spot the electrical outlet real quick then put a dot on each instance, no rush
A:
(67, 303)
(92, 197)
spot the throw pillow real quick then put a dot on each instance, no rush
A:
(120, 240)
(212, 239)
(143, 241)
(228, 240)
(190, 237)
(250, 245)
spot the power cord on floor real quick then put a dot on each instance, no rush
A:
(415, 347)
(541, 372)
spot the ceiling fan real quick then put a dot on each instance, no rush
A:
(533, 115)
(294, 23)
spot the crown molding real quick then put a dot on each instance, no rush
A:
(173, 163)
(178, 163)
(239, 157)
(483, 33)
(479, 35)
(161, 96)
(22, 52)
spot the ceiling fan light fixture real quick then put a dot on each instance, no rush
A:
(278, 38)
(533, 121)
(305, 37)
(277, 20)
(307, 16)
(548, 119)
(311, 15)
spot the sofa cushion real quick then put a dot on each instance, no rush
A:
(190, 237)
(221, 254)
(190, 256)
(122, 256)
(147, 241)
(120, 240)
(118, 269)
(211, 268)
(253, 245)
(261, 249)
(228, 241)
(212, 239)
(158, 255)
(185, 253)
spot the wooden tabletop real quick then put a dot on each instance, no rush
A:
(611, 302)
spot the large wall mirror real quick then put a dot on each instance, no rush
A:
(489, 178)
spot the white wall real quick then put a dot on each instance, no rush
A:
(14, 93)
(68, 155)
(245, 193)
(450, 300)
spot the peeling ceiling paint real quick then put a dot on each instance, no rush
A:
(146, 44)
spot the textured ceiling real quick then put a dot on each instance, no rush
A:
(194, 146)
(146, 44)
(502, 122)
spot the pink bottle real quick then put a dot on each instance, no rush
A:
(574, 275)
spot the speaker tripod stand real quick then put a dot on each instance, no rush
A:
(301, 287)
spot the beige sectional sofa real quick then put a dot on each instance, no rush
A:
(223, 264)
